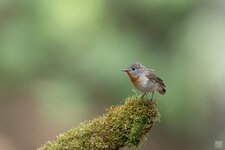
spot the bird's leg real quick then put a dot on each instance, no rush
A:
(152, 96)
(143, 95)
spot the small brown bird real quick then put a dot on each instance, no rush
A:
(145, 79)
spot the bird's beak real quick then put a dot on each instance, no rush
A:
(124, 70)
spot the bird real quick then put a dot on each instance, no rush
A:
(144, 79)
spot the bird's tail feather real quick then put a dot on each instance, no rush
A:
(161, 90)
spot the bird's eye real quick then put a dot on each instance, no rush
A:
(133, 69)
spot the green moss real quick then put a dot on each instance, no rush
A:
(124, 125)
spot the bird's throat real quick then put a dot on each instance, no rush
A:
(133, 78)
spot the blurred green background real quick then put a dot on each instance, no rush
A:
(60, 64)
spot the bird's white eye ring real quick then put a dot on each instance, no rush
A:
(133, 69)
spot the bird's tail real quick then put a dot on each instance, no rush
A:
(161, 90)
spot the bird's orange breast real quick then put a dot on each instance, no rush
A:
(133, 78)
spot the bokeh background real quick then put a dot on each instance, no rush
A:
(60, 64)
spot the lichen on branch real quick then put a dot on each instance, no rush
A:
(123, 125)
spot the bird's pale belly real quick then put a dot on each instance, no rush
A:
(145, 85)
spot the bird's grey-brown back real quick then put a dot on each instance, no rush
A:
(154, 78)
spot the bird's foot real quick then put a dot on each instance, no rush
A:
(143, 96)
(152, 97)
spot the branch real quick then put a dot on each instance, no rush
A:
(123, 125)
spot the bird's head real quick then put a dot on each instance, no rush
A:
(134, 70)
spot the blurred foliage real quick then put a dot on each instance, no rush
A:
(67, 56)
(124, 125)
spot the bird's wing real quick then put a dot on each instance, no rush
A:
(153, 77)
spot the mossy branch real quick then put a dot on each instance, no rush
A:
(123, 125)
